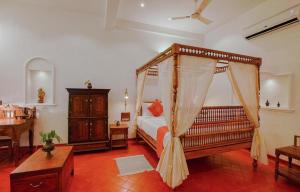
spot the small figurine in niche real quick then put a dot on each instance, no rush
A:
(41, 95)
(278, 104)
(88, 83)
(267, 103)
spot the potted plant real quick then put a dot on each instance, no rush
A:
(47, 140)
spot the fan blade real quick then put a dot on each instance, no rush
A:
(183, 17)
(202, 6)
(204, 20)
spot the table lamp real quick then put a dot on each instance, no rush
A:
(125, 116)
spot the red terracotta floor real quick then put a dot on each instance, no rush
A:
(229, 172)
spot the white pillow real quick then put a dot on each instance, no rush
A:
(145, 111)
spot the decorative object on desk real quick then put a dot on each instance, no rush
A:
(117, 123)
(278, 104)
(47, 140)
(88, 83)
(41, 95)
(125, 116)
(267, 103)
(8, 112)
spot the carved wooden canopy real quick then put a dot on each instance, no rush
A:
(180, 49)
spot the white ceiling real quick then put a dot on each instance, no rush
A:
(157, 12)
(154, 16)
(96, 7)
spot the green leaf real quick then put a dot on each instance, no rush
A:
(50, 135)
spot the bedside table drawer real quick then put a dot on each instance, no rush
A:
(43, 183)
(118, 131)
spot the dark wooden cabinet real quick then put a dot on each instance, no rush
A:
(88, 119)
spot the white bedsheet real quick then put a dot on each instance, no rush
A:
(150, 124)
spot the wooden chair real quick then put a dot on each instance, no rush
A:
(297, 140)
(6, 142)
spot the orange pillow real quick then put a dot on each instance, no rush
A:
(156, 108)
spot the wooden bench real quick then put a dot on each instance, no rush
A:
(292, 152)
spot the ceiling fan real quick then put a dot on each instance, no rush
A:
(197, 13)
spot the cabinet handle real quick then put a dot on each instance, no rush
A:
(37, 185)
(91, 100)
(91, 124)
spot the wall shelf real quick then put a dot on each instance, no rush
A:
(39, 73)
(282, 109)
(276, 88)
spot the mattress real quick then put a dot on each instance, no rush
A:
(150, 124)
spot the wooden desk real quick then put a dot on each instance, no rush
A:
(292, 152)
(40, 173)
(14, 128)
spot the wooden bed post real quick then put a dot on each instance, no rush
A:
(175, 85)
(254, 163)
(174, 99)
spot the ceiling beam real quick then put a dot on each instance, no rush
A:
(111, 13)
(137, 26)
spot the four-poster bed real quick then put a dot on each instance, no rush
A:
(185, 73)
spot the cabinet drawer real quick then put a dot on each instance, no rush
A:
(43, 183)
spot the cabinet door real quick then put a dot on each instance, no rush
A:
(98, 129)
(79, 106)
(78, 130)
(98, 106)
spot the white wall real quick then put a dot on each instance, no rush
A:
(80, 49)
(280, 54)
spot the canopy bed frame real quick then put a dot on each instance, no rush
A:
(216, 129)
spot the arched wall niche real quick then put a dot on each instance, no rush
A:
(276, 88)
(39, 73)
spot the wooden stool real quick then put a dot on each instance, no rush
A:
(6, 142)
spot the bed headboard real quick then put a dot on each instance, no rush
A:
(141, 110)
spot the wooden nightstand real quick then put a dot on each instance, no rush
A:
(115, 130)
